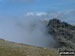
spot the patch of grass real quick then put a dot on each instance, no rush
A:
(15, 49)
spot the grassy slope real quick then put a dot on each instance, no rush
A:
(17, 49)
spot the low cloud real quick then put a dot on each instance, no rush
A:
(31, 27)
(36, 14)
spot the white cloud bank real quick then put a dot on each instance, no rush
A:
(31, 28)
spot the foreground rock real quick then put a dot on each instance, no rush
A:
(17, 49)
(63, 32)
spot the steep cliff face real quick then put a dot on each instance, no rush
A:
(63, 32)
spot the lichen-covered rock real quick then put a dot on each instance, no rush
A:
(63, 32)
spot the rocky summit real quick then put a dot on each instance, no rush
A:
(63, 32)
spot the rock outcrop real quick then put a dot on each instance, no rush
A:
(63, 32)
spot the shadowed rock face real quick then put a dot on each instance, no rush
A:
(63, 32)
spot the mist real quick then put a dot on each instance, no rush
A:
(26, 29)
(31, 28)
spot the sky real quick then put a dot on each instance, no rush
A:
(18, 7)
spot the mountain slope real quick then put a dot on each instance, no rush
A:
(18, 49)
